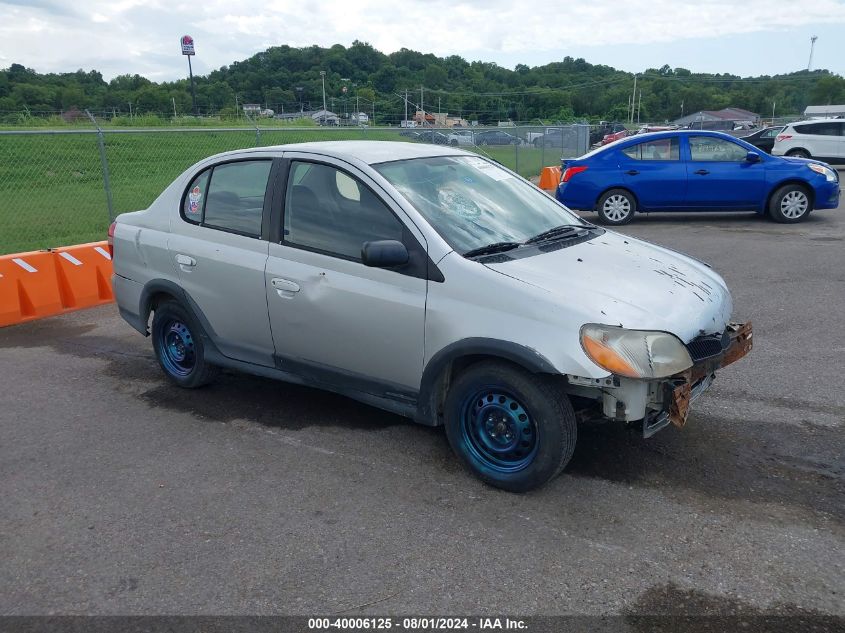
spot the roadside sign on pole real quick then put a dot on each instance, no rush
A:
(187, 45)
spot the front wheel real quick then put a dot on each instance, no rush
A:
(179, 348)
(789, 204)
(616, 207)
(512, 429)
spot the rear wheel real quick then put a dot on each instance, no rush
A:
(512, 429)
(616, 207)
(179, 348)
(789, 204)
(798, 153)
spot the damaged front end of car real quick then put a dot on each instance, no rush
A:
(636, 397)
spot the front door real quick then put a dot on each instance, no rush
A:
(333, 318)
(719, 176)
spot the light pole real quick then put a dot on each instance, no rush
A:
(323, 76)
(299, 92)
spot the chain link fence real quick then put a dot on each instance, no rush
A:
(64, 187)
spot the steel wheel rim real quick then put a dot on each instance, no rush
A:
(617, 207)
(498, 431)
(176, 348)
(794, 204)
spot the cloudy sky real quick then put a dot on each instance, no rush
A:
(749, 37)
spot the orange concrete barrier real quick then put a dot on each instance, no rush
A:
(549, 178)
(43, 283)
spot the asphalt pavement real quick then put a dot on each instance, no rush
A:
(122, 494)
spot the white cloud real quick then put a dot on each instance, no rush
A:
(118, 36)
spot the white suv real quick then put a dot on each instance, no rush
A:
(427, 281)
(820, 139)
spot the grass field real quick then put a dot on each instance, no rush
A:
(51, 184)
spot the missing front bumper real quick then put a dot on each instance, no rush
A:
(682, 390)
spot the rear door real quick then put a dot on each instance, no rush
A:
(824, 140)
(332, 317)
(720, 177)
(654, 172)
(220, 250)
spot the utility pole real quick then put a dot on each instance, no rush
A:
(639, 104)
(633, 98)
(422, 108)
(173, 99)
(406, 107)
(237, 108)
(812, 46)
(323, 77)
(773, 112)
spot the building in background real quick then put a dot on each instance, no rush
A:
(719, 119)
(824, 112)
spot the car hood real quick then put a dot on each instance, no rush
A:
(617, 280)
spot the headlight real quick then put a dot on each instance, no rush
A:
(634, 353)
(827, 172)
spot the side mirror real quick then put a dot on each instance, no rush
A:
(752, 157)
(384, 254)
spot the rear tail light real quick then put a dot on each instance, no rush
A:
(571, 171)
(782, 137)
(112, 227)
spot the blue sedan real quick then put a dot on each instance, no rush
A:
(694, 170)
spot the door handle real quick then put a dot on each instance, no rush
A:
(284, 285)
(185, 260)
(702, 172)
(632, 172)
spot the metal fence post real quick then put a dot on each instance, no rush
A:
(105, 163)
(516, 151)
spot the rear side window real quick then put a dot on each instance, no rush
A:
(658, 149)
(829, 128)
(229, 197)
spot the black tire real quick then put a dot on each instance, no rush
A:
(174, 330)
(612, 205)
(790, 204)
(799, 153)
(542, 424)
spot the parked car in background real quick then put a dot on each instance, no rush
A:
(821, 139)
(377, 270)
(598, 132)
(411, 134)
(496, 137)
(610, 138)
(763, 138)
(460, 137)
(556, 137)
(432, 136)
(688, 170)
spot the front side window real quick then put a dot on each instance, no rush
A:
(657, 149)
(712, 149)
(330, 211)
(472, 202)
(229, 196)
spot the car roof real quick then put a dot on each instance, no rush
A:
(806, 121)
(370, 152)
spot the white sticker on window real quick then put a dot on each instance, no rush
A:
(489, 169)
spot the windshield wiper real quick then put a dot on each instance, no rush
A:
(490, 249)
(558, 231)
